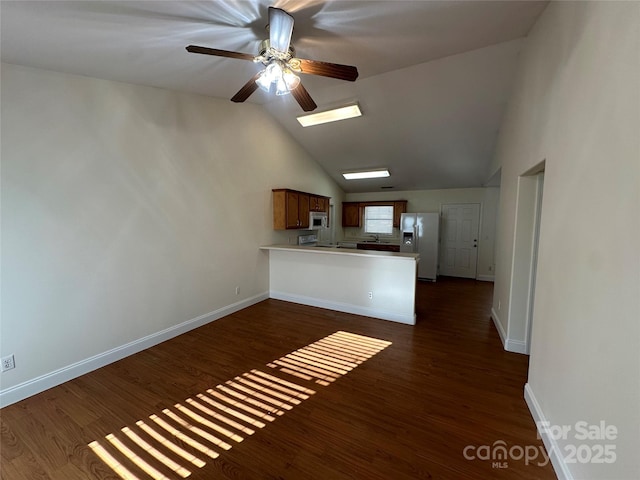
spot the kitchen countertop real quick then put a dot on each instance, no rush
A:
(371, 242)
(343, 251)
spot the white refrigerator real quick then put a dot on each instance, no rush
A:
(419, 233)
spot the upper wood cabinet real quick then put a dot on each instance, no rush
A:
(399, 207)
(291, 208)
(318, 203)
(352, 211)
(351, 214)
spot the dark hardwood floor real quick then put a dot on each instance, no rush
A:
(342, 407)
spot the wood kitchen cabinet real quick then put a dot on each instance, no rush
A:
(381, 247)
(399, 207)
(351, 216)
(318, 203)
(352, 211)
(291, 208)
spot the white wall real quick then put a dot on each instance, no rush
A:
(128, 210)
(576, 105)
(342, 280)
(431, 201)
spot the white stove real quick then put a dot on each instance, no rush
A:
(310, 240)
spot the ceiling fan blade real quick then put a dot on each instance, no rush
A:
(326, 69)
(219, 53)
(280, 29)
(303, 98)
(246, 91)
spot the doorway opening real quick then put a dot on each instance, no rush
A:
(525, 258)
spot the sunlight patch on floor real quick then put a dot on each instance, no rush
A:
(330, 358)
(215, 420)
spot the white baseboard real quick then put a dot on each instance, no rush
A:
(516, 346)
(31, 387)
(486, 278)
(501, 332)
(510, 345)
(557, 462)
(344, 307)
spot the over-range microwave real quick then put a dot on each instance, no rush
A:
(318, 220)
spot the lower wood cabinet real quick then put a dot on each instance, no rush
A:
(381, 247)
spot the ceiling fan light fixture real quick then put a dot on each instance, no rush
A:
(264, 81)
(342, 113)
(278, 56)
(378, 173)
(279, 78)
(291, 79)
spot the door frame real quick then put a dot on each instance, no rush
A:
(534, 259)
(525, 260)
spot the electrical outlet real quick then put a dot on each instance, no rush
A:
(8, 363)
(499, 304)
(237, 290)
(370, 295)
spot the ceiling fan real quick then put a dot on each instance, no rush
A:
(278, 56)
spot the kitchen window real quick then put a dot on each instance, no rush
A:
(378, 219)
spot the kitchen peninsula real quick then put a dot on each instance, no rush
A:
(364, 282)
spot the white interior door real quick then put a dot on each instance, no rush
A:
(459, 240)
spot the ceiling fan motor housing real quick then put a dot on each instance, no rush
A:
(265, 51)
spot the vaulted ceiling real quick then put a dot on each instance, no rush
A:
(435, 76)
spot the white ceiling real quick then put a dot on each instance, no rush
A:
(434, 76)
